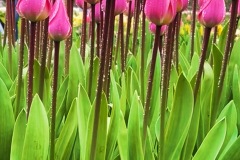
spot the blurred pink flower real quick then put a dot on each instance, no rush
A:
(33, 10)
(97, 13)
(59, 26)
(132, 8)
(212, 12)
(120, 6)
(80, 4)
(152, 28)
(160, 12)
(182, 5)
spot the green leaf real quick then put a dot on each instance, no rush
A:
(123, 139)
(179, 120)
(114, 121)
(223, 38)
(233, 152)
(65, 141)
(6, 121)
(5, 76)
(134, 136)
(36, 142)
(215, 139)
(18, 136)
(83, 112)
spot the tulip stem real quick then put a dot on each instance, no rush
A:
(20, 68)
(193, 26)
(122, 42)
(206, 37)
(30, 67)
(227, 53)
(109, 3)
(150, 84)
(143, 53)
(54, 98)
(179, 17)
(129, 23)
(136, 23)
(43, 58)
(84, 29)
(98, 38)
(92, 51)
(166, 68)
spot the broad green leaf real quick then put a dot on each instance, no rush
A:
(5, 76)
(215, 139)
(65, 141)
(36, 142)
(114, 122)
(233, 152)
(6, 121)
(18, 136)
(183, 62)
(134, 136)
(83, 112)
(123, 139)
(101, 133)
(149, 149)
(179, 120)
(223, 38)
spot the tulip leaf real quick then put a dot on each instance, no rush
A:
(134, 136)
(6, 121)
(18, 136)
(215, 139)
(114, 121)
(123, 139)
(65, 141)
(83, 112)
(233, 152)
(179, 120)
(223, 38)
(5, 77)
(36, 142)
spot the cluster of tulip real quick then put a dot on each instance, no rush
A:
(164, 17)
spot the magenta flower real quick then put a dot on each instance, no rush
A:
(152, 28)
(120, 6)
(59, 26)
(160, 12)
(201, 2)
(132, 8)
(33, 10)
(182, 5)
(212, 12)
(80, 3)
(97, 13)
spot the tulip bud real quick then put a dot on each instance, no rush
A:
(201, 2)
(80, 3)
(92, 1)
(160, 12)
(120, 6)
(152, 28)
(33, 10)
(97, 13)
(132, 9)
(212, 13)
(59, 26)
(181, 5)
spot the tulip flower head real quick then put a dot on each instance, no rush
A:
(181, 5)
(152, 28)
(33, 10)
(97, 13)
(212, 13)
(132, 8)
(120, 6)
(160, 12)
(80, 3)
(59, 26)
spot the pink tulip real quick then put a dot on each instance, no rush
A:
(80, 3)
(92, 1)
(160, 12)
(182, 5)
(120, 6)
(33, 10)
(132, 8)
(59, 26)
(97, 13)
(152, 28)
(212, 13)
(201, 2)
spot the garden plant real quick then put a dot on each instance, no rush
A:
(120, 79)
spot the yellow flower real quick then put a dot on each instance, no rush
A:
(187, 28)
(77, 20)
(201, 30)
(219, 29)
